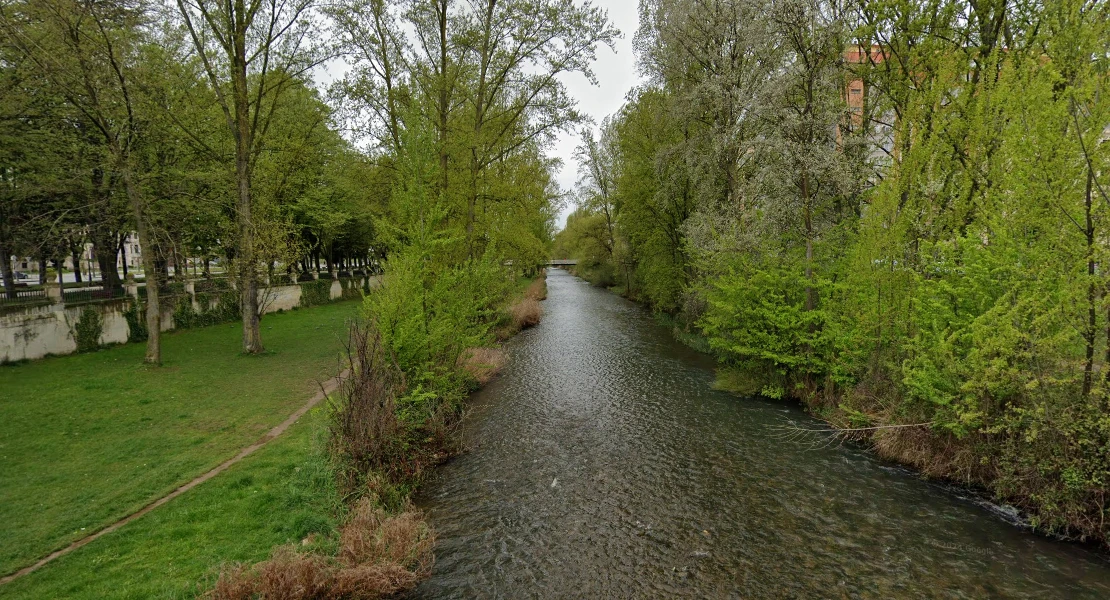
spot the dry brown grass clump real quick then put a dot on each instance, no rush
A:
(379, 556)
(482, 363)
(526, 313)
(371, 537)
(935, 455)
(538, 289)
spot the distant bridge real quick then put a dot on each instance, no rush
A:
(562, 262)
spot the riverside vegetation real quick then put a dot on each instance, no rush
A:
(288, 495)
(410, 369)
(196, 125)
(895, 212)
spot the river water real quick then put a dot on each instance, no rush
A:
(603, 465)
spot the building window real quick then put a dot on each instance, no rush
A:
(857, 91)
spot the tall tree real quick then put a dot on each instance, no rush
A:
(87, 51)
(252, 51)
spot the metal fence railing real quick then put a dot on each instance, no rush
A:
(24, 296)
(92, 294)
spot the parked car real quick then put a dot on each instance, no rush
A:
(22, 279)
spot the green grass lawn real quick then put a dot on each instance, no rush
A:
(278, 495)
(87, 439)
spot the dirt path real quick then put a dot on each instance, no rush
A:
(325, 388)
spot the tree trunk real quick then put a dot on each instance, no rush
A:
(153, 299)
(443, 104)
(105, 248)
(1089, 334)
(479, 122)
(7, 271)
(123, 253)
(75, 256)
(811, 291)
(248, 284)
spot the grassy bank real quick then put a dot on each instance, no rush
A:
(391, 421)
(87, 439)
(283, 493)
(292, 518)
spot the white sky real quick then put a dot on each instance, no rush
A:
(616, 75)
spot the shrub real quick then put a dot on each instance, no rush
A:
(428, 316)
(88, 329)
(184, 316)
(225, 310)
(316, 293)
(136, 322)
(351, 289)
(366, 434)
(537, 290)
(370, 537)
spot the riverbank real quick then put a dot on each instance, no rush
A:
(387, 430)
(603, 463)
(87, 439)
(286, 496)
(982, 463)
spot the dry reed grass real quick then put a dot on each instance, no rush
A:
(483, 364)
(379, 556)
(526, 313)
(537, 290)
(939, 456)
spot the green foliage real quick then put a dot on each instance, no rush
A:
(224, 310)
(315, 293)
(184, 315)
(88, 329)
(760, 315)
(926, 247)
(136, 321)
(352, 290)
(429, 315)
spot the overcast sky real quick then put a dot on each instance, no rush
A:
(616, 75)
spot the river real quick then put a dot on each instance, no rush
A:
(602, 464)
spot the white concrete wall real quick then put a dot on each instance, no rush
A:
(34, 332)
(283, 297)
(42, 330)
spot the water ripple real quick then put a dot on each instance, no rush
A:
(603, 465)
